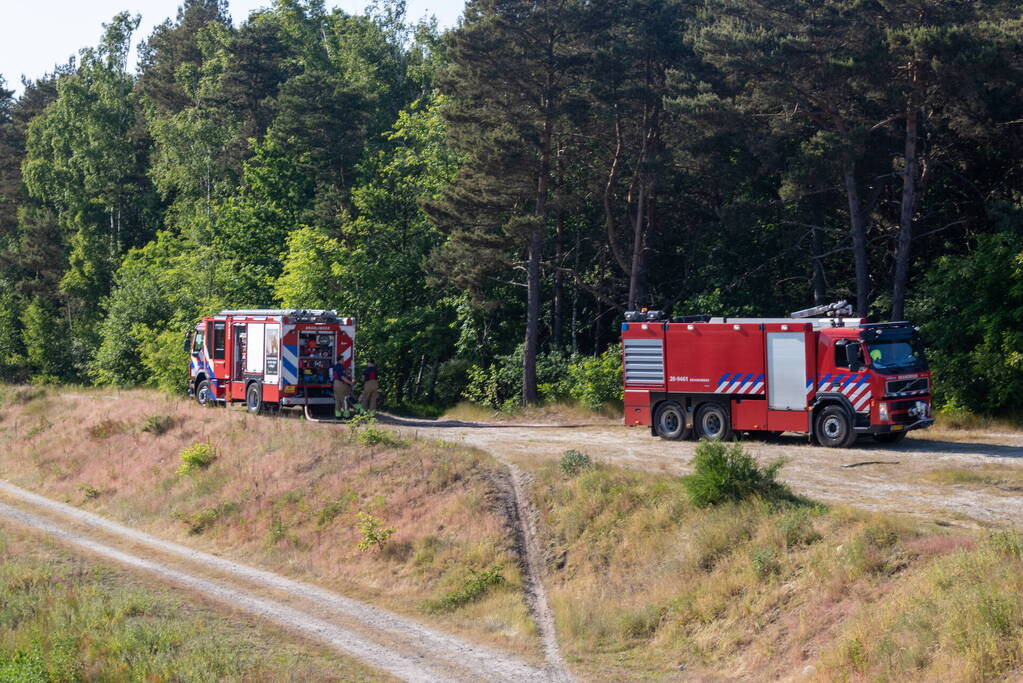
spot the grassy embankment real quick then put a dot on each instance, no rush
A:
(284, 494)
(64, 618)
(641, 580)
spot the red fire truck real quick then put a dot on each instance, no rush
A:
(818, 373)
(268, 357)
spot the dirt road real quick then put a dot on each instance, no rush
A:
(391, 643)
(870, 475)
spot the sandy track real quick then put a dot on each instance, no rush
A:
(896, 481)
(381, 639)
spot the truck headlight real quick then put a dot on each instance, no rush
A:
(882, 411)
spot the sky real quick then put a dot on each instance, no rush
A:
(35, 36)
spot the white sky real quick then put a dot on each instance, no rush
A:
(35, 36)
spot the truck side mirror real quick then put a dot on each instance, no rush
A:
(188, 342)
(854, 355)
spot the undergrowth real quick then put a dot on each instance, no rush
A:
(476, 584)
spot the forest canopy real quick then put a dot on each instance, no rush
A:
(488, 200)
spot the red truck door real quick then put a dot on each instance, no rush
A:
(790, 359)
(216, 343)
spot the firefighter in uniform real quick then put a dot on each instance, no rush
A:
(342, 390)
(370, 387)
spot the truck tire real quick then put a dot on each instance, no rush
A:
(713, 422)
(670, 422)
(833, 428)
(254, 398)
(890, 437)
(204, 394)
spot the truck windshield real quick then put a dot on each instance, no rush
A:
(897, 355)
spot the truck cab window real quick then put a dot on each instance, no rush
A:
(197, 341)
(218, 341)
(841, 361)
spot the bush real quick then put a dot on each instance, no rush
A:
(796, 527)
(726, 472)
(499, 385)
(158, 424)
(596, 381)
(573, 462)
(196, 457)
(374, 533)
(474, 587)
(201, 521)
(765, 562)
(104, 429)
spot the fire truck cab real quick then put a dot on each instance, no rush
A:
(268, 357)
(832, 378)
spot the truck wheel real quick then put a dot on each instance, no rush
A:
(890, 437)
(833, 428)
(713, 422)
(254, 398)
(670, 422)
(204, 394)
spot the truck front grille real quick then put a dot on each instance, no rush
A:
(906, 387)
(644, 361)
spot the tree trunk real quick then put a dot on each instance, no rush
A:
(432, 386)
(559, 284)
(820, 284)
(530, 396)
(529, 391)
(638, 248)
(609, 194)
(858, 229)
(909, 179)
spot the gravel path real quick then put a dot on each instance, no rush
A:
(870, 475)
(387, 641)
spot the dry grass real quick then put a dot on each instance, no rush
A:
(1002, 476)
(551, 413)
(284, 494)
(642, 582)
(960, 618)
(63, 618)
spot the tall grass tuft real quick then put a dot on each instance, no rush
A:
(727, 473)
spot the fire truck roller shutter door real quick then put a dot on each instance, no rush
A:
(786, 370)
(254, 353)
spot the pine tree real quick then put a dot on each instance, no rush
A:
(512, 68)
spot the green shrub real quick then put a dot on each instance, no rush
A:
(475, 586)
(201, 521)
(329, 512)
(573, 462)
(374, 533)
(375, 436)
(596, 381)
(796, 527)
(278, 529)
(726, 472)
(196, 457)
(158, 424)
(765, 562)
(90, 492)
(104, 429)
(365, 430)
